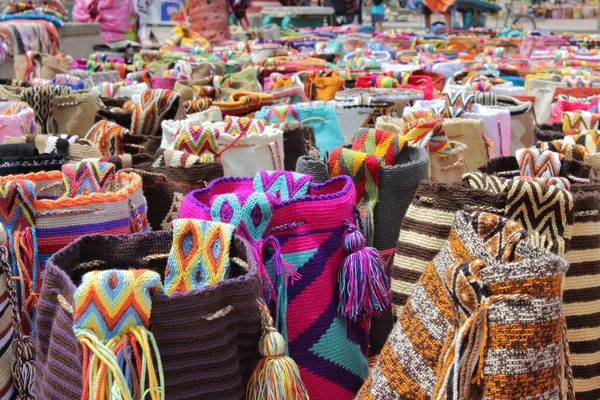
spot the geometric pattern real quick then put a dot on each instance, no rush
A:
(250, 213)
(242, 126)
(572, 122)
(198, 140)
(153, 107)
(86, 177)
(108, 136)
(199, 255)
(284, 185)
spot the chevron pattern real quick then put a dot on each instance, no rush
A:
(85, 177)
(198, 140)
(242, 126)
(151, 111)
(199, 255)
(543, 211)
(539, 164)
(576, 82)
(12, 107)
(109, 303)
(108, 136)
(570, 151)
(282, 184)
(197, 105)
(379, 143)
(573, 122)
(459, 100)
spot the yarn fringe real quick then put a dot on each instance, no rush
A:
(276, 376)
(364, 285)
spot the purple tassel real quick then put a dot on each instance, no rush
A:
(364, 285)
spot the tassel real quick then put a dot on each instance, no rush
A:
(364, 284)
(276, 377)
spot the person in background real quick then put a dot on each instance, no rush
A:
(377, 13)
(442, 6)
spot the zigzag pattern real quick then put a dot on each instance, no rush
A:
(109, 303)
(85, 177)
(242, 126)
(249, 212)
(576, 82)
(12, 107)
(570, 151)
(198, 140)
(539, 164)
(557, 181)
(381, 144)
(573, 121)
(589, 139)
(199, 255)
(284, 185)
(108, 136)
(151, 110)
(73, 82)
(542, 210)
(363, 168)
(282, 114)
(460, 100)
(16, 204)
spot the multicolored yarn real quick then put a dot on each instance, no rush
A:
(111, 321)
(460, 100)
(86, 177)
(573, 122)
(176, 158)
(541, 164)
(242, 126)
(140, 76)
(197, 105)
(379, 143)
(153, 107)
(203, 91)
(17, 213)
(244, 103)
(570, 151)
(284, 186)
(276, 376)
(171, 73)
(202, 141)
(73, 82)
(330, 350)
(108, 137)
(199, 255)
(576, 82)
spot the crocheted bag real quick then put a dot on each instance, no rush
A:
(522, 120)
(36, 65)
(298, 141)
(153, 107)
(23, 158)
(165, 187)
(71, 147)
(16, 119)
(383, 192)
(497, 126)
(449, 168)
(74, 114)
(40, 99)
(7, 389)
(431, 214)
(322, 117)
(277, 210)
(452, 340)
(470, 132)
(207, 337)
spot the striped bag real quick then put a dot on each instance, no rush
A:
(282, 214)
(429, 218)
(452, 340)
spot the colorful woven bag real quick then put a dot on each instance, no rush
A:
(153, 107)
(322, 117)
(74, 114)
(16, 119)
(386, 173)
(7, 389)
(199, 346)
(165, 187)
(452, 340)
(304, 255)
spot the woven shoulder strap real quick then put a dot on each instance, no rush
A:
(111, 320)
(199, 255)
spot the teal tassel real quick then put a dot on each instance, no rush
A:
(364, 285)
